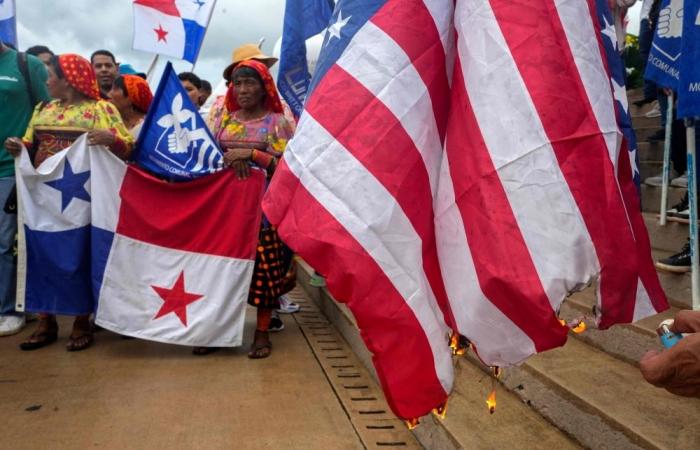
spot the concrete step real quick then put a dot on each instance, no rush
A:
(669, 238)
(649, 168)
(676, 285)
(604, 402)
(468, 424)
(598, 399)
(651, 197)
(641, 121)
(650, 150)
(638, 111)
(635, 94)
(643, 133)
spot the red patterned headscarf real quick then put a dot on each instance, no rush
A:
(138, 91)
(272, 100)
(79, 74)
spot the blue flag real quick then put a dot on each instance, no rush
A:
(175, 143)
(663, 66)
(8, 22)
(302, 20)
(689, 86)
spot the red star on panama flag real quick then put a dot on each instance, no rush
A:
(176, 299)
(161, 33)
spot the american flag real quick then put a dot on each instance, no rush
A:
(462, 181)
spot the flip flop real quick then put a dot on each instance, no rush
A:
(73, 345)
(39, 339)
(255, 349)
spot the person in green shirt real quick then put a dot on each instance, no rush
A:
(17, 106)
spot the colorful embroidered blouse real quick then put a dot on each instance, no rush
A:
(54, 127)
(268, 135)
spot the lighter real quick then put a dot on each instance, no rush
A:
(668, 337)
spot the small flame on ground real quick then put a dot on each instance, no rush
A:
(576, 325)
(580, 328)
(491, 401)
(441, 411)
(411, 423)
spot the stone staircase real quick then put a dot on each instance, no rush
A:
(588, 393)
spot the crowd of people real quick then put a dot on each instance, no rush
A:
(50, 100)
(658, 97)
(54, 99)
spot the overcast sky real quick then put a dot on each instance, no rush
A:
(82, 26)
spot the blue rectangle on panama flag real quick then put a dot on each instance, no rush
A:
(175, 142)
(689, 86)
(663, 66)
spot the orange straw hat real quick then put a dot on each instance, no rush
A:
(246, 52)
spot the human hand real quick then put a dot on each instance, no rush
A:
(101, 137)
(13, 146)
(677, 369)
(237, 154)
(241, 168)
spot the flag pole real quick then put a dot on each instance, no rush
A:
(666, 172)
(692, 203)
(152, 67)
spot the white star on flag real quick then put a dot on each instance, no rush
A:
(335, 29)
(609, 32)
(633, 162)
(620, 94)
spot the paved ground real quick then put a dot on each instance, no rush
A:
(138, 394)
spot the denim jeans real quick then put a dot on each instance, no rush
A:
(8, 262)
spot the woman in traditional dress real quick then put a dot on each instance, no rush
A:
(75, 110)
(132, 96)
(252, 130)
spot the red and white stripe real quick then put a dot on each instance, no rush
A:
(354, 194)
(530, 206)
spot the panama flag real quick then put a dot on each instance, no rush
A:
(8, 23)
(172, 262)
(54, 234)
(171, 27)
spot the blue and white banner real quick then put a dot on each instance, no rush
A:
(175, 142)
(663, 66)
(8, 22)
(689, 86)
(302, 20)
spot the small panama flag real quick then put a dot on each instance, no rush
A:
(8, 22)
(171, 27)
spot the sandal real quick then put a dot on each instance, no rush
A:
(40, 339)
(81, 337)
(79, 342)
(201, 351)
(260, 351)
